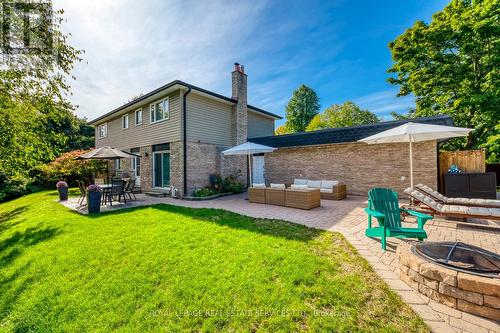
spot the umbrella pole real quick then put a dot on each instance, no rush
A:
(250, 169)
(411, 167)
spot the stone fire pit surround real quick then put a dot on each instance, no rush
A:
(466, 292)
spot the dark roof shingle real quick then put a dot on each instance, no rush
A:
(343, 134)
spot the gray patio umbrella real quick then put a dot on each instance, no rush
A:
(105, 153)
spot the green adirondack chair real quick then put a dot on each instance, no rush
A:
(384, 206)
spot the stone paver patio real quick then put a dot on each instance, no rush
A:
(347, 217)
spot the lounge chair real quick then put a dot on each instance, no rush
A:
(384, 206)
(433, 207)
(490, 203)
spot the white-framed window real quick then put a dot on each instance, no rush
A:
(103, 130)
(138, 117)
(125, 121)
(118, 164)
(159, 110)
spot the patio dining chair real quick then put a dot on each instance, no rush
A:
(83, 193)
(129, 188)
(116, 190)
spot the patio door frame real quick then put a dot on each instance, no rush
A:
(160, 152)
(136, 162)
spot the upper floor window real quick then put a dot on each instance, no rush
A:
(103, 131)
(125, 121)
(138, 117)
(159, 110)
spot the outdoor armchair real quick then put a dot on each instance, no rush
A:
(383, 204)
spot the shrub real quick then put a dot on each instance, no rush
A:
(61, 184)
(12, 187)
(231, 183)
(65, 166)
(204, 192)
(94, 188)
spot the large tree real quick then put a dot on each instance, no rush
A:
(301, 109)
(36, 120)
(451, 65)
(342, 115)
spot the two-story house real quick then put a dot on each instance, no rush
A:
(179, 131)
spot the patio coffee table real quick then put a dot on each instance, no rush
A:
(303, 198)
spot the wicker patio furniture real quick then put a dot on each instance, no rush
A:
(275, 196)
(257, 194)
(303, 198)
(329, 189)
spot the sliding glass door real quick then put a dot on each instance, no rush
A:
(161, 169)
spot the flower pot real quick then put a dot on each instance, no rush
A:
(63, 193)
(94, 202)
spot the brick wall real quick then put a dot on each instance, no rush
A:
(203, 159)
(146, 168)
(360, 165)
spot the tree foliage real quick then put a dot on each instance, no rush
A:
(342, 115)
(451, 65)
(280, 130)
(37, 123)
(68, 168)
(301, 109)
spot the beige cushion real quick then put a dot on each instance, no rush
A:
(277, 185)
(493, 203)
(259, 185)
(481, 211)
(326, 190)
(314, 183)
(455, 209)
(298, 187)
(300, 181)
(328, 184)
(495, 212)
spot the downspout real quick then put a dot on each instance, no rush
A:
(184, 139)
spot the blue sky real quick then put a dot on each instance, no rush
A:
(338, 48)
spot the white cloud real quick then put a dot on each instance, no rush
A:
(384, 102)
(133, 47)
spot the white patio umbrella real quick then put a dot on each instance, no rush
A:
(248, 149)
(416, 132)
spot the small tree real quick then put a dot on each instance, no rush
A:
(281, 130)
(301, 109)
(342, 115)
(68, 168)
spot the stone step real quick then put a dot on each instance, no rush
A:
(156, 194)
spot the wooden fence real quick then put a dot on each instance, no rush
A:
(466, 160)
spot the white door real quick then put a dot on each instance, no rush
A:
(258, 169)
(136, 167)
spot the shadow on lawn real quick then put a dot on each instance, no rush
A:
(7, 217)
(275, 228)
(13, 247)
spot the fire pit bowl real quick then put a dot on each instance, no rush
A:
(459, 275)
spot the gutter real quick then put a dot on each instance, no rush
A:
(184, 139)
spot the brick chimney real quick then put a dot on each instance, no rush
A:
(239, 92)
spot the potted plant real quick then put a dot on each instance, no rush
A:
(62, 188)
(94, 198)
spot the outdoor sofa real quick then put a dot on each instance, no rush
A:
(329, 189)
(279, 195)
(434, 208)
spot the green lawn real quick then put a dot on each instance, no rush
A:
(165, 268)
